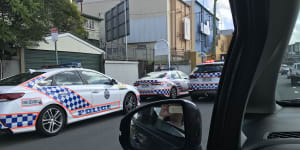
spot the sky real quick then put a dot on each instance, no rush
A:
(296, 33)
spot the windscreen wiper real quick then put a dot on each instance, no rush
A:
(289, 103)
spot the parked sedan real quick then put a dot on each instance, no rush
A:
(48, 99)
(284, 69)
(163, 83)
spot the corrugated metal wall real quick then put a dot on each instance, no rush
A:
(148, 29)
(34, 59)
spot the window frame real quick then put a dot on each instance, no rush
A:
(76, 72)
(86, 81)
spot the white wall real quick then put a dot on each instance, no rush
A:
(10, 68)
(123, 71)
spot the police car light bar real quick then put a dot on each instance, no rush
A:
(67, 65)
(209, 61)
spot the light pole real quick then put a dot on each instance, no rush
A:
(125, 9)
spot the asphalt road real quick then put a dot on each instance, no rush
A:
(284, 89)
(97, 133)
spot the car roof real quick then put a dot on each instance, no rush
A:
(163, 71)
(54, 70)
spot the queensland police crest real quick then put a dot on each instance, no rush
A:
(106, 94)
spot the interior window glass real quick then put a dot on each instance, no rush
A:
(175, 75)
(288, 82)
(183, 75)
(68, 78)
(46, 82)
(95, 78)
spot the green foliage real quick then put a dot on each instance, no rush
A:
(66, 17)
(21, 23)
(24, 22)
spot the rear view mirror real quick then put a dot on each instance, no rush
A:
(169, 124)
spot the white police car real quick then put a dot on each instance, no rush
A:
(204, 79)
(163, 83)
(46, 100)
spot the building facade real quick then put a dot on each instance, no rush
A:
(203, 28)
(92, 26)
(150, 21)
(222, 44)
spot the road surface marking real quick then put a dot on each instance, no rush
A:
(296, 92)
(294, 87)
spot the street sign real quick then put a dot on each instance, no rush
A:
(162, 47)
(187, 28)
(54, 34)
(117, 21)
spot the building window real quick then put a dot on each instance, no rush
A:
(90, 24)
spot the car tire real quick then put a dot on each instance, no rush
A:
(130, 102)
(51, 121)
(194, 97)
(173, 93)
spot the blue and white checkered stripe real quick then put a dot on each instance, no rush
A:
(203, 86)
(63, 95)
(157, 92)
(31, 83)
(206, 75)
(18, 120)
(147, 81)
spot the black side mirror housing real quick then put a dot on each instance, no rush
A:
(144, 128)
(113, 82)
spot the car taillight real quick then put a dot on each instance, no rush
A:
(11, 96)
(192, 77)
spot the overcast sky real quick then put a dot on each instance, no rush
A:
(296, 33)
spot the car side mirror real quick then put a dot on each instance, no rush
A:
(167, 124)
(113, 82)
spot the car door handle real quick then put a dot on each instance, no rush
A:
(95, 92)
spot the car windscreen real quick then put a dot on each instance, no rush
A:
(19, 78)
(154, 75)
(208, 68)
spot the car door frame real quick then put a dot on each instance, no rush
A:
(185, 80)
(105, 87)
(247, 58)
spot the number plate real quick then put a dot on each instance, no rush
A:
(206, 79)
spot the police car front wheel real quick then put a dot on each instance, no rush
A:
(51, 121)
(130, 102)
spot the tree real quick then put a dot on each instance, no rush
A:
(25, 22)
(66, 17)
(21, 23)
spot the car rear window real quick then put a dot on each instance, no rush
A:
(19, 78)
(153, 75)
(208, 68)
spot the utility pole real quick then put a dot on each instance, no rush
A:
(125, 8)
(214, 29)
